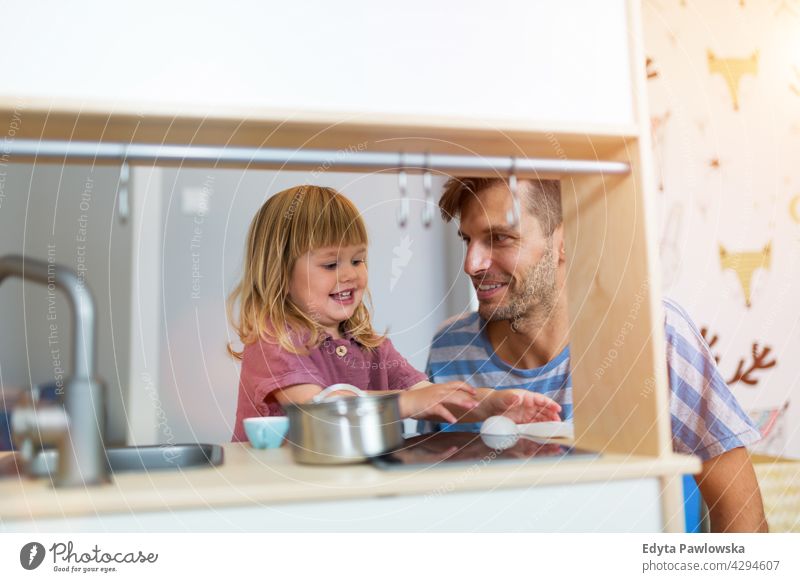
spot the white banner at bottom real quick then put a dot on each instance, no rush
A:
(401, 557)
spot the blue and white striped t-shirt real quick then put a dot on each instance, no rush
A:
(706, 418)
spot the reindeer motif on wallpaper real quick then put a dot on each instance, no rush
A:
(743, 374)
(732, 70)
(745, 264)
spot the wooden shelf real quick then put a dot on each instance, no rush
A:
(42, 120)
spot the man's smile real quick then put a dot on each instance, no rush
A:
(487, 289)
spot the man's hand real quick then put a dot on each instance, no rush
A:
(435, 401)
(456, 402)
(730, 489)
(521, 406)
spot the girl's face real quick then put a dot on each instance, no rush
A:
(328, 284)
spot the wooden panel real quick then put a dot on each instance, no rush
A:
(618, 349)
(35, 119)
(617, 344)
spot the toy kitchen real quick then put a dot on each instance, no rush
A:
(130, 171)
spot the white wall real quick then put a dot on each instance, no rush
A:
(67, 213)
(198, 382)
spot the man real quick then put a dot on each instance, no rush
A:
(519, 338)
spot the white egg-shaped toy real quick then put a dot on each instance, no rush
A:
(499, 442)
(499, 426)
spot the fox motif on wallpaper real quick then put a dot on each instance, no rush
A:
(732, 70)
(745, 264)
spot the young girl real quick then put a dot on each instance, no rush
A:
(304, 323)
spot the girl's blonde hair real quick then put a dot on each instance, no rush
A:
(287, 226)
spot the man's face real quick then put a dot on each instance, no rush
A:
(513, 269)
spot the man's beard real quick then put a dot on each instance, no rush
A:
(533, 301)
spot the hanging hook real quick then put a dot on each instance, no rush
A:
(123, 193)
(402, 178)
(513, 215)
(427, 186)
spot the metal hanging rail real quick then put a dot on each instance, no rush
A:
(345, 160)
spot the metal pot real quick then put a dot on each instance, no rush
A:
(344, 430)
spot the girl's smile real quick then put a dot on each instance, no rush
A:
(328, 284)
(346, 297)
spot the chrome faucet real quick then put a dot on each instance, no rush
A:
(77, 428)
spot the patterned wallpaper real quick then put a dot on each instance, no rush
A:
(724, 92)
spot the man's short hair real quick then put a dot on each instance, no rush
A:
(542, 198)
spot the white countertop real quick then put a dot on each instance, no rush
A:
(250, 477)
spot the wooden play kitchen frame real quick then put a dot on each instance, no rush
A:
(617, 344)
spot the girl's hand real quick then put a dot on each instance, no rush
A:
(432, 401)
(521, 406)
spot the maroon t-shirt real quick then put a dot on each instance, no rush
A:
(266, 367)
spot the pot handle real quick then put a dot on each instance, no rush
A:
(336, 388)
